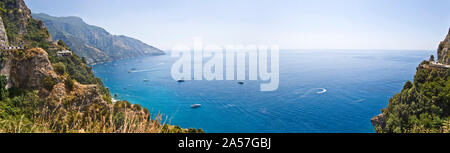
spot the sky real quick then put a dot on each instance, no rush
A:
(291, 24)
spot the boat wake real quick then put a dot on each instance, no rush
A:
(138, 71)
(323, 91)
(311, 91)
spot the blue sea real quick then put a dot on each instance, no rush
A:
(358, 85)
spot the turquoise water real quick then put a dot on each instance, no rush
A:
(358, 83)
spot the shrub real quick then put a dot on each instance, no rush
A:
(3, 92)
(59, 68)
(137, 107)
(62, 43)
(107, 99)
(69, 83)
(49, 82)
(408, 85)
(146, 111)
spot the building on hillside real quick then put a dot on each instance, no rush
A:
(64, 53)
(53, 46)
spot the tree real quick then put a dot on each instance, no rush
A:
(432, 58)
(62, 43)
(83, 59)
(408, 85)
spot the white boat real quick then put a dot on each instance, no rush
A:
(196, 106)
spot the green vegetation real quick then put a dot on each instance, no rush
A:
(62, 44)
(16, 111)
(77, 70)
(69, 84)
(423, 106)
(59, 68)
(49, 83)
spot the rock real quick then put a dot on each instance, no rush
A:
(379, 121)
(57, 95)
(443, 50)
(3, 36)
(81, 98)
(23, 13)
(27, 69)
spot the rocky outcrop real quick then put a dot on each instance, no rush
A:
(3, 37)
(444, 50)
(27, 68)
(379, 121)
(23, 13)
(80, 98)
(20, 27)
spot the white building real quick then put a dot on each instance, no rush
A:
(64, 53)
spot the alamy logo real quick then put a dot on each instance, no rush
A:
(209, 63)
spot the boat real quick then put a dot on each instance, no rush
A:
(180, 81)
(146, 80)
(196, 106)
(241, 83)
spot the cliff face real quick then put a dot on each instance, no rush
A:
(94, 43)
(23, 14)
(22, 29)
(444, 50)
(19, 11)
(27, 69)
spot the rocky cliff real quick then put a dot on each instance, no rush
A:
(444, 50)
(94, 43)
(26, 69)
(22, 29)
(19, 11)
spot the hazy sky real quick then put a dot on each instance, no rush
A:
(300, 24)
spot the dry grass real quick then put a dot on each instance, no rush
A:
(77, 122)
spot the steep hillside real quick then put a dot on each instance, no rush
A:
(21, 28)
(43, 92)
(94, 43)
(423, 106)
